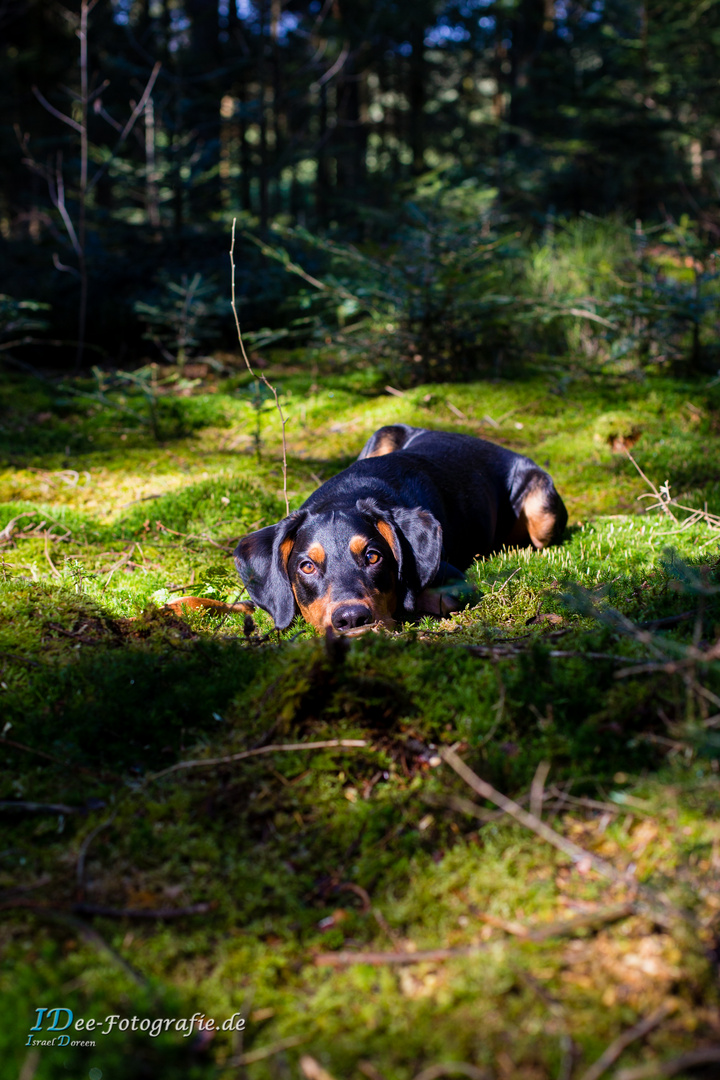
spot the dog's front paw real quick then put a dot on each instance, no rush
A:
(443, 600)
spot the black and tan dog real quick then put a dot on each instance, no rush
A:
(388, 538)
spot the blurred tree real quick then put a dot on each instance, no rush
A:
(315, 112)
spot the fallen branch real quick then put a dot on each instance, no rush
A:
(143, 498)
(707, 1056)
(143, 913)
(638, 1031)
(124, 558)
(594, 804)
(530, 821)
(507, 579)
(452, 1068)
(80, 908)
(467, 806)
(660, 904)
(499, 652)
(368, 1069)
(74, 634)
(462, 806)
(667, 621)
(90, 936)
(6, 534)
(84, 848)
(20, 659)
(264, 1052)
(662, 495)
(53, 567)
(313, 1070)
(206, 763)
(600, 917)
(665, 500)
(537, 789)
(11, 806)
(58, 761)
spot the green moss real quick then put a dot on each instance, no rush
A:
(101, 689)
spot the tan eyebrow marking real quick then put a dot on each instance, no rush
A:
(387, 534)
(358, 544)
(316, 552)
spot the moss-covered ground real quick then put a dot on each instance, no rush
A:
(244, 887)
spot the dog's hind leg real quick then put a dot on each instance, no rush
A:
(541, 513)
(388, 439)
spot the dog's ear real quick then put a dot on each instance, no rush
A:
(415, 537)
(423, 536)
(261, 559)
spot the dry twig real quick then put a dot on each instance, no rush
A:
(84, 848)
(709, 1055)
(143, 913)
(638, 1031)
(313, 1070)
(81, 908)
(59, 761)
(665, 501)
(20, 806)
(264, 1052)
(206, 763)
(661, 494)
(530, 821)
(600, 917)
(452, 1068)
(53, 567)
(262, 377)
(90, 936)
(659, 903)
(537, 789)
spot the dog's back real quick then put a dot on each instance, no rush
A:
(491, 496)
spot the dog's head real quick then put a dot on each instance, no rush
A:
(345, 568)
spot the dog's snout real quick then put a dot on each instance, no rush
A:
(350, 616)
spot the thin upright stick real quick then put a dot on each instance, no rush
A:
(263, 378)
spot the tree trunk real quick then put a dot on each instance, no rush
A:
(416, 97)
(322, 180)
(264, 204)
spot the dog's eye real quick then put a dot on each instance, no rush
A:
(372, 556)
(307, 567)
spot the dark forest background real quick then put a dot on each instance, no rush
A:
(406, 161)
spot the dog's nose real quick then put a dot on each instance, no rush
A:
(348, 616)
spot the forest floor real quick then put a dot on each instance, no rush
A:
(310, 890)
